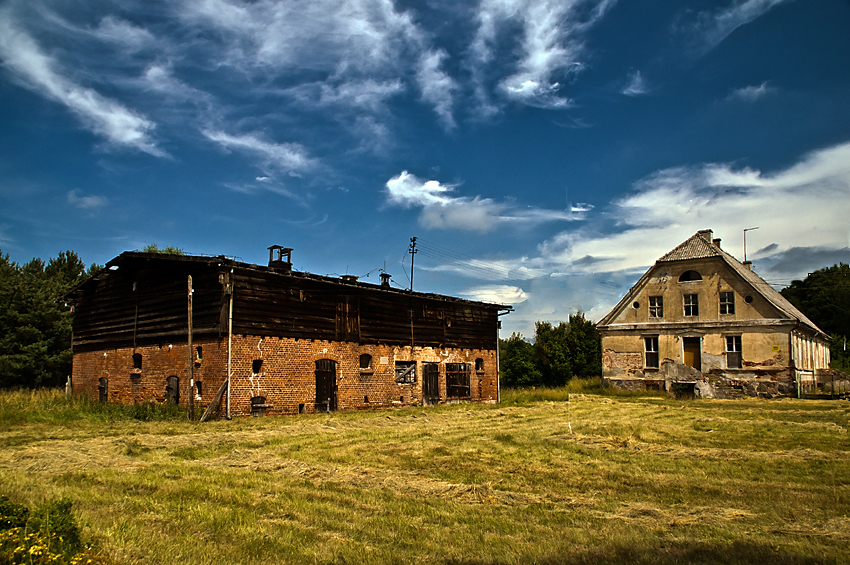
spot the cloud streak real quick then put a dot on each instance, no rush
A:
(712, 27)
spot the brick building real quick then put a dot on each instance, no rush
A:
(294, 342)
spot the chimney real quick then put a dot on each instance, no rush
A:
(280, 258)
(716, 242)
(749, 265)
(349, 278)
(706, 235)
(385, 279)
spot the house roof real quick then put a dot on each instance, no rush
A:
(702, 246)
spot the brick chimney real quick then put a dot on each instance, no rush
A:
(706, 235)
(716, 242)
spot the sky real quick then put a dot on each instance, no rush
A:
(544, 153)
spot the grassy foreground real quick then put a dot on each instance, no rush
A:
(537, 479)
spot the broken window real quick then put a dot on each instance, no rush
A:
(691, 305)
(479, 365)
(727, 302)
(656, 307)
(137, 361)
(457, 380)
(690, 276)
(650, 345)
(405, 371)
(365, 362)
(733, 351)
(257, 366)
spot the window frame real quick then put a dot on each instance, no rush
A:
(727, 303)
(651, 358)
(458, 382)
(734, 356)
(656, 306)
(691, 302)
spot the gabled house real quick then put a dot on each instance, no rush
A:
(701, 322)
(154, 327)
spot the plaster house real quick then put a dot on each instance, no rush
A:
(701, 322)
(154, 327)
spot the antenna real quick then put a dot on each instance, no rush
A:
(745, 241)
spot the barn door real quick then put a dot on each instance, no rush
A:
(691, 347)
(172, 390)
(431, 383)
(325, 385)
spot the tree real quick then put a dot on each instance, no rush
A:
(517, 364)
(585, 347)
(168, 250)
(824, 297)
(552, 353)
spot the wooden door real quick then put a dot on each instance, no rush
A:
(431, 383)
(326, 388)
(691, 347)
(172, 390)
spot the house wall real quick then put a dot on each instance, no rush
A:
(287, 377)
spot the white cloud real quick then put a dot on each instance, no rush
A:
(90, 202)
(442, 210)
(715, 26)
(124, 33)
(499, 294)
(39, 72)
(636, 86)
(751, 93)
(437, 87)
(286, 157)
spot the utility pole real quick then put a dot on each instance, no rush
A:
(191, 398)
(745, 241)
(413, 253)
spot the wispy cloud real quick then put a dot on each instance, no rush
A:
(85, 202)
(636, 85)
(713, 26)
(442, 210)
(751, 93)
(437, 87)
(39, 72)
(285, 157)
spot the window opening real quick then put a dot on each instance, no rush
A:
(405, 371)
(365, 362)
(198, 388)
(479, 365)
(656, 307)
(137, 361)
(457, 380)
(691, 305)
(733, 352)
(727, 302)
(690, 276)
(199, 353)
(748, 299)
(257, 366)
(651, 351)
(102, 389)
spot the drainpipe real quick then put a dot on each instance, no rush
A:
(498, 367)
(229, 342)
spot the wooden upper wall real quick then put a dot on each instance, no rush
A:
(144, 301)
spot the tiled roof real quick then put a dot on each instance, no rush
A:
(695, 247)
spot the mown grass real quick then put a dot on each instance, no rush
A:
(549, 476)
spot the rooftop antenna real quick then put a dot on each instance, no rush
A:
(745, 241)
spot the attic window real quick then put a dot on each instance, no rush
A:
(688, 276)
(656, 307)
(727, 302)
(257, 366)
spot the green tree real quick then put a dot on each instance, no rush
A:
(517, 362)
(168, 250)
(584, 346)
(552, 352)
(824, 297)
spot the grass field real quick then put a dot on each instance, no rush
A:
(546, 477)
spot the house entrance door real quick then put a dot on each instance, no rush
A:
(691, 346)
(431, 383)
(326, 388)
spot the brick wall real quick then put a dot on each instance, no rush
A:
(286, 378)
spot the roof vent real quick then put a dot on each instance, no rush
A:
(349, 278)
(385, 279)
(280, 258)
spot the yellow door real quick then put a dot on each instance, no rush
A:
(691, 348)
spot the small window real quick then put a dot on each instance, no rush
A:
(365, 362)
(137, 361)
(199, 353)
(257, 366)
(650, 345)
(733, 352)
(102, 389)
(656, 307)
(691, 305)
(198, 388)
(688, 276)
(479, 365)
(405, 371)
(727, 302)
(457, 380)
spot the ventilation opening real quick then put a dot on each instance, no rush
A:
(365, 400)
(198, 388)
(257, 366)
(301, 409)
(199, 353)
(479, 365)
(102, 389)
(137, 361)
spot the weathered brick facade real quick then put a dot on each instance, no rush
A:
(287, 377)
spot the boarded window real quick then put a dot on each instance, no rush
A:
(733, 352)
(691, 305)
(656, 307)
(457, 380)
(405, 371)
(727, 302)
(690, 276)
(650, 345)
(365, 362)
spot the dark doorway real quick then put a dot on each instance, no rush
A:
(103, 389)
(326, 385)
(431, 383)
(692, 349)
(172, 390)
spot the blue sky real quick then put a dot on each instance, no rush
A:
(544, 152)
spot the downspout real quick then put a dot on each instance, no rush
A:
(792, 360)
(229, 342)
(498, 367)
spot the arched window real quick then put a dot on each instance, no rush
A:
(365, 362)
(690, 276)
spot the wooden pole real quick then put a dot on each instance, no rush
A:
(191, 398)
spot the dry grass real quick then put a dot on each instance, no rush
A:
(595, 479)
